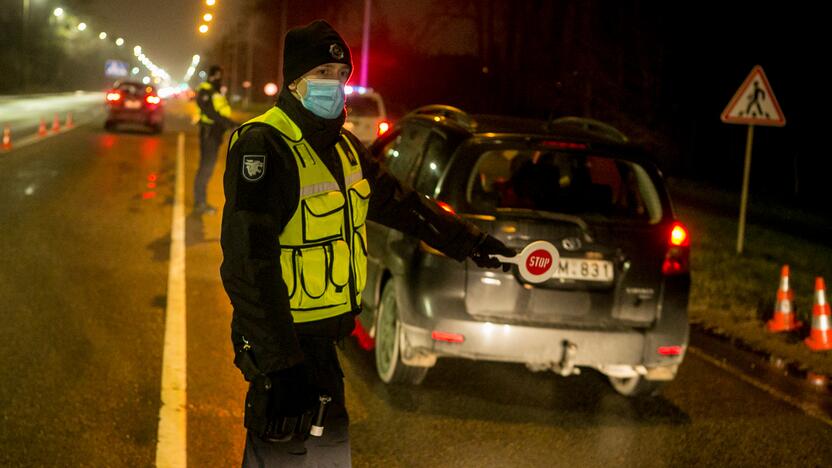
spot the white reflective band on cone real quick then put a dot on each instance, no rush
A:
(784, 306)
(316, 431)
(820, 322)
(821, 297)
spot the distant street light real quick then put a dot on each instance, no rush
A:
(102, 36)
(203, 28)
(270, 89)
(135, 70)
(82, 26)
(137, 51)
(58, 12)
(146, 80)
(210, 2)
(208, 17)
(119, 42)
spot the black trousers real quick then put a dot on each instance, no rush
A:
(210, 140)
(333, 448)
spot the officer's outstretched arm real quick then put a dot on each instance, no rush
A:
(399, 207)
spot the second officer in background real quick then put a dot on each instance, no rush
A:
(214, 120)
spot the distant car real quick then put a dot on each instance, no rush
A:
(618, 301)
(366, 115)
(134, 103)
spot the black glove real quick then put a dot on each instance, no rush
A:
(292, 393)
(487, 246)
(277, 404)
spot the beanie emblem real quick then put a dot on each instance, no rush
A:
(336, 52)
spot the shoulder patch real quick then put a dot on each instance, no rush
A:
(254, 167)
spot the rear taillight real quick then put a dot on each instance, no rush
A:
(152, 99)
(113, 97)
(677, 258)
(383, 127)
(446, 207)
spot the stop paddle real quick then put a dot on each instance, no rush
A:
(536, 262)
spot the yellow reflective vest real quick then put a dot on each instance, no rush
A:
(323, 248)
(219, 102)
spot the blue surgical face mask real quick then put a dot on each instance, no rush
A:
(324, 98)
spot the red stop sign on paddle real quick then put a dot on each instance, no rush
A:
(539, 262)
(535, 263)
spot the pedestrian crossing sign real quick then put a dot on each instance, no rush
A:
(754, 103)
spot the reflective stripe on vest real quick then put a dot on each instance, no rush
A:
(323, 254)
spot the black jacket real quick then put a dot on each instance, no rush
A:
(255, 214)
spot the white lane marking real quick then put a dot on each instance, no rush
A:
(171, 448)
(808, 408)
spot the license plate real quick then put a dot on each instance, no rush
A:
(131, 104)
(585, 270)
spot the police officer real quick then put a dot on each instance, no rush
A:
(299, 189)
(214, 113)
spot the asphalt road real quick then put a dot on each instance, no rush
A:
(85, 232)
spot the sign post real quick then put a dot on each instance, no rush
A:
(753, 104)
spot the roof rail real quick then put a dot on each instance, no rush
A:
(451, 113)
(592, 125)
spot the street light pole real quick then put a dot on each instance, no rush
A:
(250, 61)
(23, 45)
(365, 45)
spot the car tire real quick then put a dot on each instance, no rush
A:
(389, 364)
(637, 386)
(109, 125)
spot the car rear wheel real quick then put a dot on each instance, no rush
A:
(636, 386)
(389, 364)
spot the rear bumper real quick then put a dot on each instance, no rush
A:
(137, 116)
(609, 351)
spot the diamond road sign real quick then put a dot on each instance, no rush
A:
(116, 69)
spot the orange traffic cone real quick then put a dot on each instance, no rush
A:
(821, 337)
(42, 128)
(784, 318)
(7, 138)
(69, 122)
(56, 124)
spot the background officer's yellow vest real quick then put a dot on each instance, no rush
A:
(218, 100)
(323, 253)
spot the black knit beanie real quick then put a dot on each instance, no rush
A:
(309, 46)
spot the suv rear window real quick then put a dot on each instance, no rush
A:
(574, 183)
(362, 106)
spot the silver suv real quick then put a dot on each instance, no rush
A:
(618, 301)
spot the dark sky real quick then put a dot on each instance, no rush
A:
(166, 29)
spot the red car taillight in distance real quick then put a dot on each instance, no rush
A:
(677, 259)
(383, 126)
(152, 100)
(113, 97)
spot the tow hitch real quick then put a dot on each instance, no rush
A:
(565, 367)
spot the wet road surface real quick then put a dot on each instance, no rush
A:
(86, 229)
